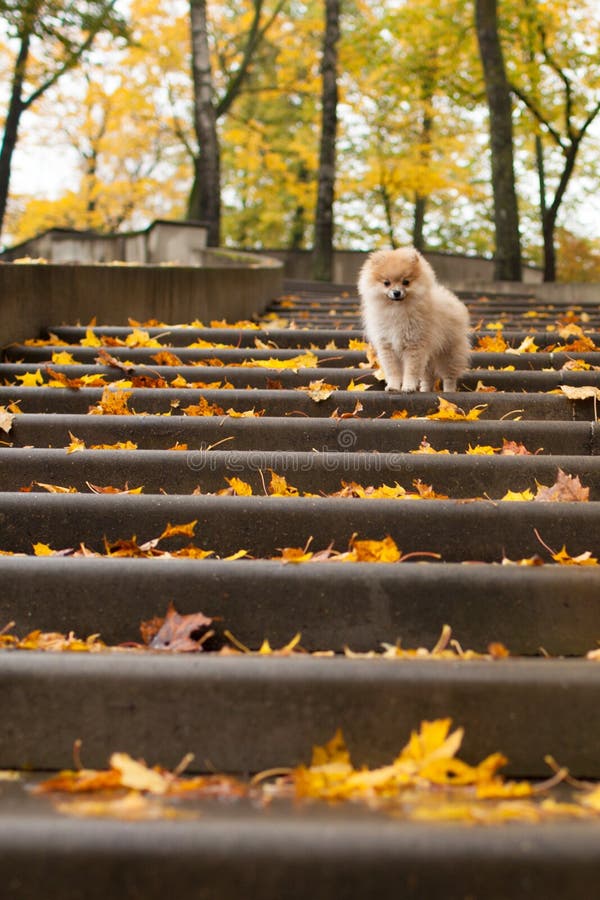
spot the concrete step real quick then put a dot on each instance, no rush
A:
(544, 608)
(242, 714)
(211, 849)
(304, 434)
(459, 532)
(484, 477)
(285, 403)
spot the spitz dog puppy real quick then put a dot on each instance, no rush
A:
(418, 328)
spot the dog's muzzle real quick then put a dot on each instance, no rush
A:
(396, 294)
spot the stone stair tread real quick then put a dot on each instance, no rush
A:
(528, 609)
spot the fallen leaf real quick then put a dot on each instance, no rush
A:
(318, 390)
(348, 415)
(76, 444)
(518, 495)
(177, 633)
(112, 403)
(30, 379)
(63, 358)
(492, 343)
(6, 419)
(166, 358)
(448, 411)
(203, 408)
(120, 445)
(580, 393)
(303, 360)
(566, 488)
(237, 487)
(90, 339)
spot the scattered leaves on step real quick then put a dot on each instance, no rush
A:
(301, 361)
(50, 641)
(60, 380)
(427, 761)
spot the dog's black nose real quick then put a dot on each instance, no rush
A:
(396, 294)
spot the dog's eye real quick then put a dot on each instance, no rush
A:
(406, 282)
(386, 282)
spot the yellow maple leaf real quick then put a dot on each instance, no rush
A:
(318, 390)
(30, 379)
(448, 411)
(353, 386)
(203, 408)
(302, 361)
(248, 414)
(40, 549)
(356, 344)
(280, 488)
(294, 555)
(584, 559)
(527, 345)
(186, 530)
(482, 450)
(90, 339)
(120, 445)
(492, 343)
(76, 444)
(240, 488)
(518, 495)
(112, 403)
(140, 338)
(385, 551)
(63, 359)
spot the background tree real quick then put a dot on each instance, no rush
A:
(322, 255)
(557, 79)
(506, 214)
(122, 125)
(51, 37)
(210, 105)
(411, 79)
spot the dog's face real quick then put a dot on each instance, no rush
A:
(390, 274)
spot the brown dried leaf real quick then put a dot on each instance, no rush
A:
(177, 633)
(567, 488)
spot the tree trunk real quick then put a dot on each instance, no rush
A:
(322, 255)
(419, 222)
(11, 126)
(506, 214)
(205, 198)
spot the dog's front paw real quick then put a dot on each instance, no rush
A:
(394, 388)
(409, 386)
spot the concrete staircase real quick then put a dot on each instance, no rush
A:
(244, 714)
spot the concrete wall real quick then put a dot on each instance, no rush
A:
(163, 241)
(35, 297)
(449, 268)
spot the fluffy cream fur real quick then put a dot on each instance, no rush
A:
(418, 328)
